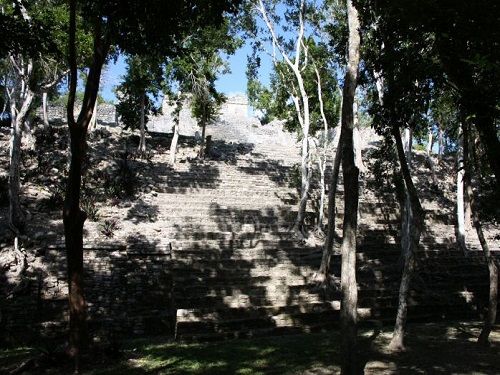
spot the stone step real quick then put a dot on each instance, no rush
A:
(251, 242)
(244, 300)
(193, 325)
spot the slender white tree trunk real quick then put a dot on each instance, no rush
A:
(323, 274)
(19, 96)
(430, 142)
(407, 215)
(299, 97)
(201, 153)
(412, 225)
(93, 120)
(440, 142)
(322, 186)
(408, 143)
(16, 216)
(142, 141)
(45, 110)
(491, 315)
(358, 144)
(173, 144)
(304, 186)
(461, 240)
(175, 138)
(430, 162)
(323, 157)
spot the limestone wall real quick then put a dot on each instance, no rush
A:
(234, 111)
(235, 107)
(128, 292)
(106, 113)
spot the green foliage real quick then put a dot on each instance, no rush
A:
(33, 35)
(56, 198)
(143, 81)
(88, 205)
(62, 99)
(419, 147)
(154, 27)
(384, 167)
(195, 70)
(423, 49)
(121, 182)
(276, 101)
(109, 227)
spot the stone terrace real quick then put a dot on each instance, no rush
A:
(204, 252)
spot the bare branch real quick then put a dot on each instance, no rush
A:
(275, 39)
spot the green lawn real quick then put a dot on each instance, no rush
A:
(432, 348)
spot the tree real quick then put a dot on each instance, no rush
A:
(402, 70)
(34, 42)
(194, 72)
(491, 262)
(138, 94)
(135, 28)
(205, 105)
(349, 287)
(462, 38)
(294, 86)
(294, 59)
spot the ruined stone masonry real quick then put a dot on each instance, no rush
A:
(106, 113)
(210, 255)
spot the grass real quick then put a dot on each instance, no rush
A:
(432, 348)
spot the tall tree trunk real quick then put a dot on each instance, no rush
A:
(357, 141)
(300, 99)
(45, 110)
(201, 154)
(142, 141)
(440, 142)
(323, 157)
(467, 205)
(16, 216)
(349, 302)
(324, 269)
(414, 223)
(176, 117)
(430, 142)
(322, 188)
(430, 162)
(93, 120)
(73, 217)
(173, 144)
(406, 214)
(491, 316)
(304, 186)
(460, 195)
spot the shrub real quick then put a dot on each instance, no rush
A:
(56, 198)
(108, 227)
(88, 204)
(122, 182)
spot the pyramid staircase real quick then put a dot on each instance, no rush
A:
(238, 272)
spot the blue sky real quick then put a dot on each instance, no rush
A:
(234, 82)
